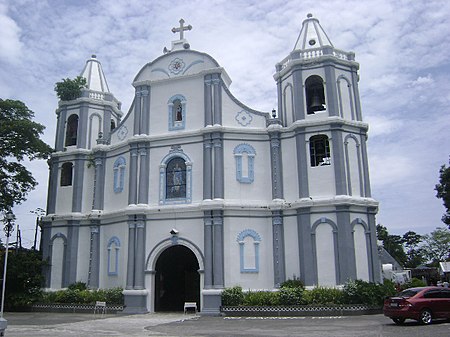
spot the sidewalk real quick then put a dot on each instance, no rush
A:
(86, 325)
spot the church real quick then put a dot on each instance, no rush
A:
(191, 191)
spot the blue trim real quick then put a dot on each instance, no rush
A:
(238, 153)
(174, 124)
(256, 241)
(116, 242)
(162, 179)
(119, 174)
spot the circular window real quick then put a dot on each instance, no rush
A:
(312, 42)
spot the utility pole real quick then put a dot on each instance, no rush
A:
(39, 214)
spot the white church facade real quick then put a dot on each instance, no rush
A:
(192, 191)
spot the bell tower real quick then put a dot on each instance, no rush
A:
(318, 99)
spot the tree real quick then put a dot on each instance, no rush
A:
(393, 244)
(24, 277)
(437, 245)
(19, 140)
(68, 89)
(443, 192)
(414, 253)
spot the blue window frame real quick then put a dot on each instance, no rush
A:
(177, 112)
(119, 174)
(175, 178)
(245, 163)
(249, 241)
(113, 256)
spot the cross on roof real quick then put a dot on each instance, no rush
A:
(181, 29)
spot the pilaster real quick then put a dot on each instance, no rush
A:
(208, 250)
(338, 160)
(279, 264)
(276, 165)
(133, 175)
(207, 167)
(308, 271)
(299, 95)
(208, 100)
(78, 181)
(71, 255)
(302, 164)
(331, 90)
(99, 181)
(346, 246)
(217, 139)
(94, 256)
(144, 162)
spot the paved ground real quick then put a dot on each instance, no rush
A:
(177, 324)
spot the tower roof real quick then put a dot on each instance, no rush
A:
(312, 35)
(94, 75)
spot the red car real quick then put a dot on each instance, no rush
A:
(422, 304)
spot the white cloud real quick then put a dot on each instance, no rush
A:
(10, 44)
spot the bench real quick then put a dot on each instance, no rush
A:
(100, 307)
(190, 305)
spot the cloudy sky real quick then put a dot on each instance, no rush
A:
(402, 47)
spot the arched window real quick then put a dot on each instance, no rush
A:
(315, 95)
(113, 256)
(245, 157)
(72, 130)
(249, 241)
(177, 112)
(319, 148)
(175, 174)
(176, 178)
(66, 174)
(119, 174)
(113, 124)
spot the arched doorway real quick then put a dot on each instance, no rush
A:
(177, 279)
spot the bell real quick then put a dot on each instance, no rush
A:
(316, 104)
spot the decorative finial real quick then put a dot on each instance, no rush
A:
(181, 29)
(93, 56)
(309, 15)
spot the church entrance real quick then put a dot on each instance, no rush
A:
(177, 279)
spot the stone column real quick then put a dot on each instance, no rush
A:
(208, 249)
(217, 91)
(94, 257)
(308, 271)
(52, 185)
(132, 193)
(337, 148)
(99, 181)
(78, 180)
(218, 270)
(279, 266)
(61, 129)
(143, 173)
(139, 265)
(71, 256)
(137, 112)
(207, 167)
(83, 126)
(331, 90)
(131, 254)
(346, 261)
(302, 164)
(208, 100)
(355, 93)
(299, 95)
(374, 261)
(218, 166)
(365, 167)
(276, 165)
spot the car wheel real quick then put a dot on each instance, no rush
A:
(399, 321)
(425, 316)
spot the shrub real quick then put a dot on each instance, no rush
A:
(232, 296)
(290, 295)
(86, 296)
(322, 296)
(70, 89)
(295, 283)
(77, 286)
(362, 292)
(414, 282)
(261, 298)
